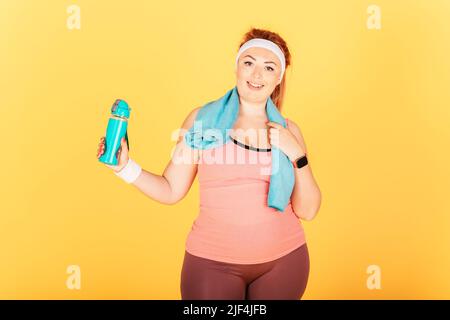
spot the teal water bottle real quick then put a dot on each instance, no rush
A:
(116, 130)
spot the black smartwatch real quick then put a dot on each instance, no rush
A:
(301, 162)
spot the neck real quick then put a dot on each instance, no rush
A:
(252, 109)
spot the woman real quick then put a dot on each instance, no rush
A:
(239, 247)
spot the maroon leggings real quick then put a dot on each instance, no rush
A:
(284, 278)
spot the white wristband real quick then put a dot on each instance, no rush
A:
(130, 172)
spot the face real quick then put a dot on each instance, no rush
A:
(258, 66)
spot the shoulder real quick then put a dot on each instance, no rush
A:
(190, 118)
(295, 130)
(188, 122)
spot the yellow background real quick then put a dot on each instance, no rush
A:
(373, 106)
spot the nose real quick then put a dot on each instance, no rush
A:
(257, 73)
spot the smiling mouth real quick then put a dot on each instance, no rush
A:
(254, 85)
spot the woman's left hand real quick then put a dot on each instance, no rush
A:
(284, 140)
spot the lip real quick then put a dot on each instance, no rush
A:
(253, 88)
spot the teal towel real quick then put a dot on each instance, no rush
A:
(210, 131)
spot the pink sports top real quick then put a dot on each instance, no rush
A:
(234, 224)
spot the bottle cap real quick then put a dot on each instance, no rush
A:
(120, 108)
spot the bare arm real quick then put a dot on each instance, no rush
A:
(179, 174)
(306, 196)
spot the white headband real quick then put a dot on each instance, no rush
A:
(267, 44)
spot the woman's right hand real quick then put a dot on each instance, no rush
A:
(122, 154)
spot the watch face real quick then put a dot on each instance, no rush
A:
(301, 162)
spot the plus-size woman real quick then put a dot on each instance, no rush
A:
(239, 247)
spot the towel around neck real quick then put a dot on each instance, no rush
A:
(210, 130)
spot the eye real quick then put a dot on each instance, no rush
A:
(249, 63)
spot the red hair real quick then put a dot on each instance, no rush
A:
(278, 93)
